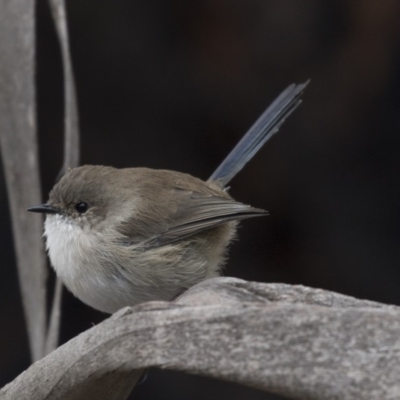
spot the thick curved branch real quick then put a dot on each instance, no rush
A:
(290, 340)
(20, 159)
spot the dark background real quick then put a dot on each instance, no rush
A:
(174, 84)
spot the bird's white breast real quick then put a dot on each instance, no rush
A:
(73, 255)
(108, 276)
(65, 241)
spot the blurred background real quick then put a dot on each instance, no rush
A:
(174, 84)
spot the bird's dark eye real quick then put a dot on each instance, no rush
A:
(81, 207)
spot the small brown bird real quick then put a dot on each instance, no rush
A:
(119, 237)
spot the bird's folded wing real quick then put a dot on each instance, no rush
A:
(200, 212)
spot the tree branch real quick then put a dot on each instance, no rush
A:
(71, 130)
(290, 340)
(20, 159)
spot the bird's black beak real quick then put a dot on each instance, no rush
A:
(43, 208)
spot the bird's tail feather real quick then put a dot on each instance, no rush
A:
(262, 130)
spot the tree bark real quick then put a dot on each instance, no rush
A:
(295, 341)
(19, 153)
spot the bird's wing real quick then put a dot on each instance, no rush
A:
(197, 212)
(177, 213)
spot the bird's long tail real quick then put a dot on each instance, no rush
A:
(262, 130)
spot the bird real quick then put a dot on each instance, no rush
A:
(120, 237)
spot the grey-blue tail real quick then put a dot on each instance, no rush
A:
(262, 130)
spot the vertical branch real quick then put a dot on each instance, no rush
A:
(71, 130)
(71, 145)
(19, 151)
(53, 331)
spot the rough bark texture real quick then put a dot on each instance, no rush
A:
(296, 341)
(20, 158)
